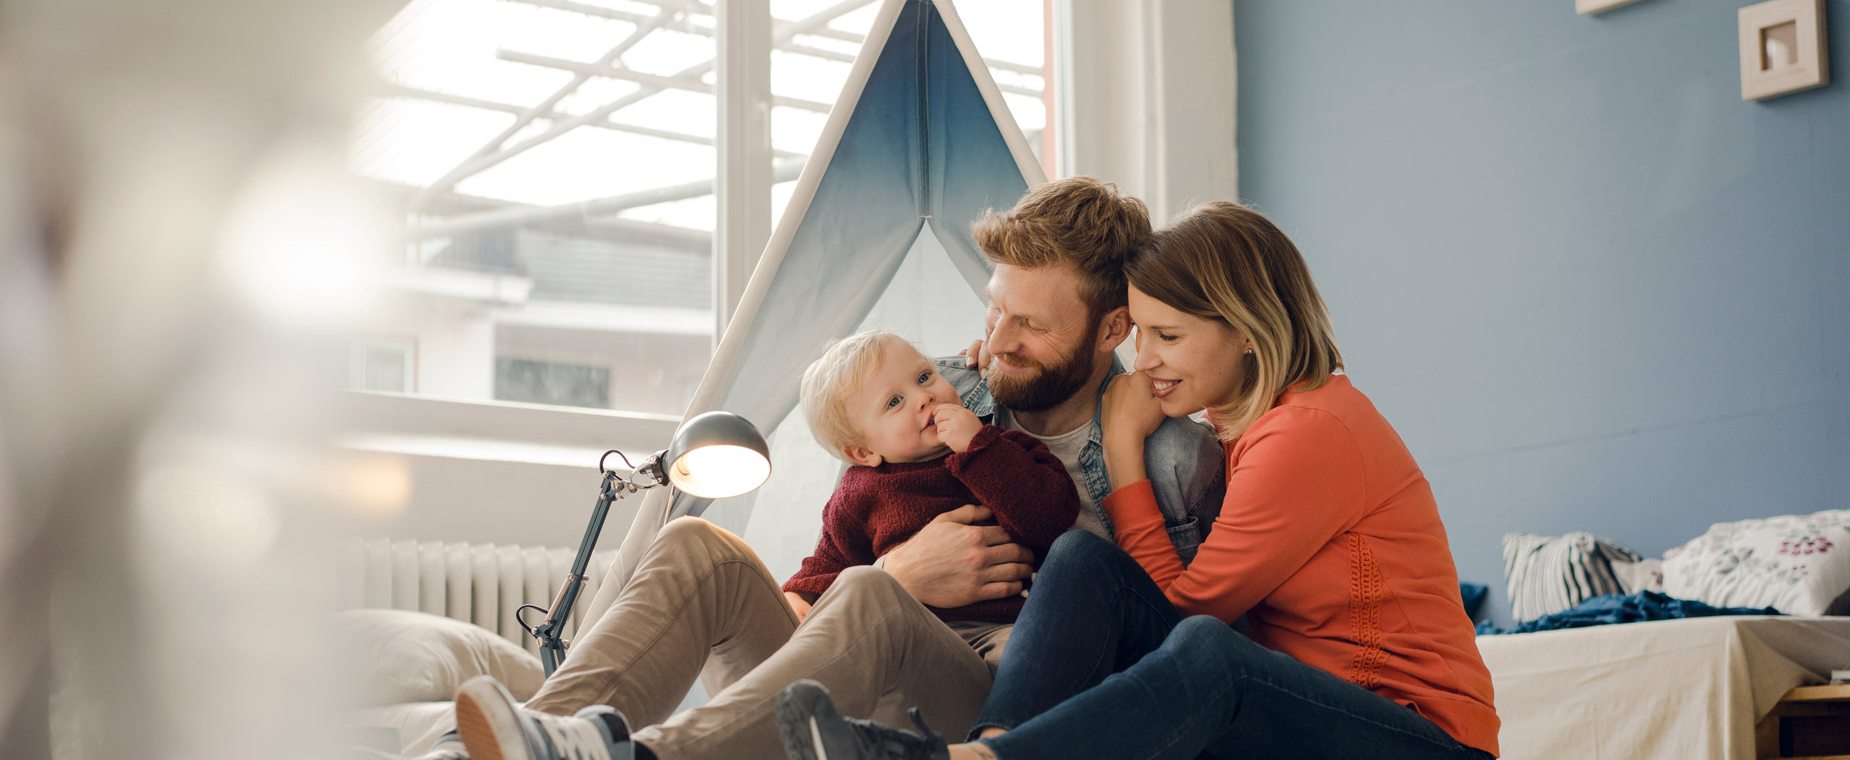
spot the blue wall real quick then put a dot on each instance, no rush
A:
(1592, 287)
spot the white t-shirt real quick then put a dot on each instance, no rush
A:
(1067, 446)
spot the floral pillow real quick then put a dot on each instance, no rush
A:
(1798, 564)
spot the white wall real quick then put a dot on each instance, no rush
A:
(484, 501)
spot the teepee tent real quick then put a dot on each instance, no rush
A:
(919, 140)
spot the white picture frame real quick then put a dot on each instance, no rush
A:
(1591, 7)
(1783, 48)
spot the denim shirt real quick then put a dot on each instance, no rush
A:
(1184, 459)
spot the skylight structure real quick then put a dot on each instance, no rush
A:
(556, 159)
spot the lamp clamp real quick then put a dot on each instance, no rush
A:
(651, 468)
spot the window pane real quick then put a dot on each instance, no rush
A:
(549, 161)
(380, 364)
(551, 383)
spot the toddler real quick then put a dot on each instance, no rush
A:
(874, 401)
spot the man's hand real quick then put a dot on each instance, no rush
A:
(978, 354)
(952, 562)
(956, 426)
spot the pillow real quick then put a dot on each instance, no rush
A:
(1473, 594)
(1644, 575)
(1797, 564)
(1550, 574)
(393, 656)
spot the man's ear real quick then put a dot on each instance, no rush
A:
(1113, 328)
(862, 456)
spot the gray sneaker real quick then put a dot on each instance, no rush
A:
(812, 729)
(495, 727)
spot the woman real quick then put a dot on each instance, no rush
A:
(1329, 542)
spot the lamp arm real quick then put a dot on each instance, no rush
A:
(712, 429)
(548, 633)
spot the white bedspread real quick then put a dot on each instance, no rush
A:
(1673, 689)
(417, 724)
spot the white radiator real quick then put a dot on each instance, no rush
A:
(479, 583)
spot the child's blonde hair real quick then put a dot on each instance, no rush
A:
(829, 382)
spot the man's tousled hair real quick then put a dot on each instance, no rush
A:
(1079, 222)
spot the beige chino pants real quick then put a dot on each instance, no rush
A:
(702, 604)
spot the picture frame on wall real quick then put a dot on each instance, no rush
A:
(1592, 7)
(1783, 48)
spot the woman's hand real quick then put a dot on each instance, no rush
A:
(1131, 413)
(1132, 410)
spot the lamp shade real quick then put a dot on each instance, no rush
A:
(716, 455)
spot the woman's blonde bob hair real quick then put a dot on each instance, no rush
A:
(1226, 262)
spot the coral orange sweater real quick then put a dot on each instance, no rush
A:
(1330, 542)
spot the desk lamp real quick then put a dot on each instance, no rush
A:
(713, 456)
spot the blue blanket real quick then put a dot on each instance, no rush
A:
(1618, 608)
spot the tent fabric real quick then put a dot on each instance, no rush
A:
(919, 136)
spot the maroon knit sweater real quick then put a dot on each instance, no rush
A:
(877, 508)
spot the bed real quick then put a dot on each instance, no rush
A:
(1669, 690)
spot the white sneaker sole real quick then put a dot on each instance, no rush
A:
(815, 737)
(489, 722)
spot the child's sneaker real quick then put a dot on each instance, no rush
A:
(812, 729)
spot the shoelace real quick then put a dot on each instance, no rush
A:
(574, 738)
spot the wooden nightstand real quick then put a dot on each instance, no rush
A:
(1809, 723)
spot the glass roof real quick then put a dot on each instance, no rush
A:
(500, 122)
(621, 96)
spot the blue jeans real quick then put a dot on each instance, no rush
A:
(1100, 665)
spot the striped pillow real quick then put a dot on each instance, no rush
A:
(1550, 574)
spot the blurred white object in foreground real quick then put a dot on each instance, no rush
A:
(176, 234)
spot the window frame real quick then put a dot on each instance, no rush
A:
(741, 229)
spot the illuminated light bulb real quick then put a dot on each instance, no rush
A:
(719, 471)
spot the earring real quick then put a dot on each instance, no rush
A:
(1249, 349)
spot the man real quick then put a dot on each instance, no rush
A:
(701, 603)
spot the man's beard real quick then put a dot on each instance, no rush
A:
(1047, 387)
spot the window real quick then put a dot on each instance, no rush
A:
(377, 364)
(556, 383)
(554, 160)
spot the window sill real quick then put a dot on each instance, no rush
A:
(496, 430)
